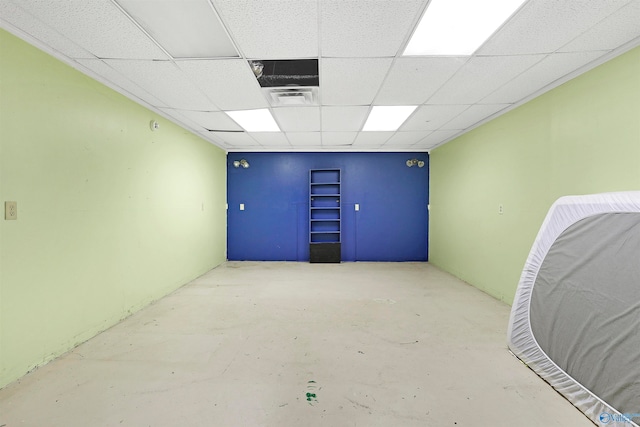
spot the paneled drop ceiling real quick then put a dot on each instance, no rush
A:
(188, 60)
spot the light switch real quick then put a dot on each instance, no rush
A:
(357, 207)
(241, 206)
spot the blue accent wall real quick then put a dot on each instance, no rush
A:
(391, 225)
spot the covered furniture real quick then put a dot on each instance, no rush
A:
(575, 319)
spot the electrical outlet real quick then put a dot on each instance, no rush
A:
(500, 209)
(10, 210)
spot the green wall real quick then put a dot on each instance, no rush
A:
(111, 215)
(582, 137)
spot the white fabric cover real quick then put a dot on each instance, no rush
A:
(565, 212)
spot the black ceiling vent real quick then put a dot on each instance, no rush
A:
(288, 72)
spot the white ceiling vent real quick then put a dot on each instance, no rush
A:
(291, 96)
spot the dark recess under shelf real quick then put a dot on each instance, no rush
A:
(325, 253)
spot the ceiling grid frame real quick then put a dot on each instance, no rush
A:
(572, 55)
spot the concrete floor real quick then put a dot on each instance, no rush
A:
(297, 344)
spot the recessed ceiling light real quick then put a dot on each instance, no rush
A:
(255, 120)
(458, 27)
(387, 118)
(186, 29)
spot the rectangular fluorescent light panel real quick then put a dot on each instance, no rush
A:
(184, 28)
(255, 120)
(458, 27)
(387, 118)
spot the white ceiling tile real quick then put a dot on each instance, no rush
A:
(351, 81)
(545, 26)
(24, 21)
(212, 120)
(413, 80)
(98, 26)
(229, 83)
(473, 115)
(271, 138)
(116, 80)
(401, 147)
(209, 137)
(236, 139)
(166, 81)
(435, 138)
(422, 146)
(372, 138)
(177, 117)
(540, 75)
(366, 27)
(614, 31)
(298, 119)
(304, 139)
(339, 119)
(338, 138)
(480, 76)
(432, 117)
(283, 29)
(425, 146)
(185, 29)
(335, 149)
(406, 138)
